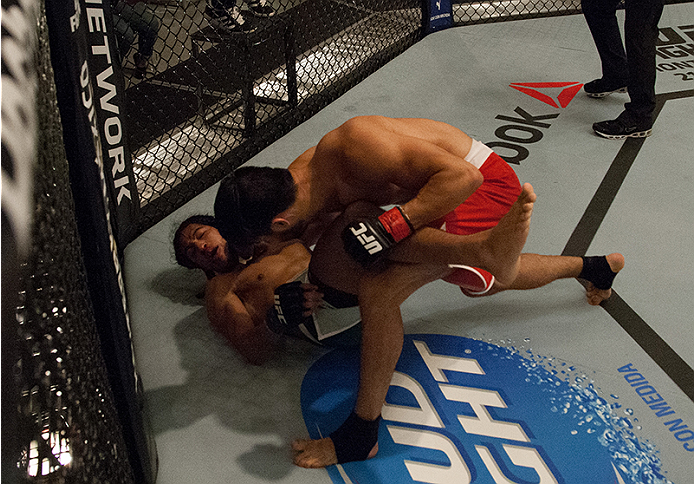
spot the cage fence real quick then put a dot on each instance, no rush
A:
(66, 426)
(467, 13)
(225, 79)
(222, 79)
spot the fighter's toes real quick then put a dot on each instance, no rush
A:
(308, 462)
(595, 296)
(526, 202)
(528, 195)
(299, 445)
(313, 454)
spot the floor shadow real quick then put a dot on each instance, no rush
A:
(246, 399)
(180, 285)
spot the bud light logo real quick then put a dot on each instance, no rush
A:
(465, 411)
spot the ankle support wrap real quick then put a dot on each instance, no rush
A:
(598, 271)
(355, 438)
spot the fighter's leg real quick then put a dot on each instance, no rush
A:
(380, 291)
(380, 297)
(539, 270)
(330, 264)
(496, 250)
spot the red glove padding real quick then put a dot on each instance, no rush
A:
(396, 223)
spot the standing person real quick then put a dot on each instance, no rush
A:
(631, 70)
(130, 19)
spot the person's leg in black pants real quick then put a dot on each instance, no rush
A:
(601, 17)
(641, 34)
(633, 67)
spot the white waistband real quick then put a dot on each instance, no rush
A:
(478, 154)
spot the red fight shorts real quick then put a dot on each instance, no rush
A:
(491, 201)
(481, 211)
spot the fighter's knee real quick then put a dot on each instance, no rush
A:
(370, 284)
(376, 290)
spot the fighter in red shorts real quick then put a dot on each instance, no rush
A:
(418, 165)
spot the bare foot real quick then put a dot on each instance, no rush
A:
(594, 295)
(314, 454)
(505, 241)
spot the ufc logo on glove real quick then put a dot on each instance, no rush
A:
(278, 309)
(369, 242)
(368, 239)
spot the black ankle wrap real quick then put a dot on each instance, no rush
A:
(355, 438)
(598, 271)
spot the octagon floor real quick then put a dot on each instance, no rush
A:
(217, 420)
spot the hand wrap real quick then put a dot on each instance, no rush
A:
(355, 439)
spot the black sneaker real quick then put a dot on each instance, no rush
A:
(600, 88)
(260, 8)
(228, 20)
(623, 127)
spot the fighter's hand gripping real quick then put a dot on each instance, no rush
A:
(288, 311)
(368, 239)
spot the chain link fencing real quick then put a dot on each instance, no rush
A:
(225, 80)
(62, 422)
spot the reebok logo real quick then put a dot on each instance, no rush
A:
(526, 129)
(555, 94)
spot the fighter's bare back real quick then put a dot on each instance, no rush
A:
(385, 161)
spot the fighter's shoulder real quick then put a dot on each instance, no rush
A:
(295, 248)
(363, 134)
(220, 285)
(362, 125)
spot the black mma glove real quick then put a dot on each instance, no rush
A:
(288, 311)
(367, 239)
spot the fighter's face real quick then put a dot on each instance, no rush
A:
(205, 247)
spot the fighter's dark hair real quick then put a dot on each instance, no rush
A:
(249, 199)
(179, 252)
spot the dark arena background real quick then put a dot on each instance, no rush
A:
(97, 149)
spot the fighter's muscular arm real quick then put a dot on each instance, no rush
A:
(373, 151)
(241, 324)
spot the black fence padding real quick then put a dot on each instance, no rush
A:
(67, 426)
